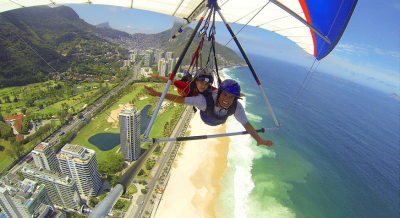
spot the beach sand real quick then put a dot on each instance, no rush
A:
(194, 184)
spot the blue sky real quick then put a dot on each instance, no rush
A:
(368, 52)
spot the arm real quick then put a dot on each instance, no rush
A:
(154, 76)
(171, 97)
(250, 129)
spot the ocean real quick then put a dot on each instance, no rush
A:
(336, 155)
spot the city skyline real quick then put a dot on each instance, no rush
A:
(367, 52)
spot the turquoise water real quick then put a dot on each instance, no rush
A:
(336, 155)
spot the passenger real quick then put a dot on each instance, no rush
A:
(217, 105)
(201, 82)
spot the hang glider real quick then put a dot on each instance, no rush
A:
(314, 25)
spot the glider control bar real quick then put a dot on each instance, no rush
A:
(191, 138)
(277, 3)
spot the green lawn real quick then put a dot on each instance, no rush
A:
(132, 189)
(125, 202)
(75, 101)
(5, 160)
(101, 125)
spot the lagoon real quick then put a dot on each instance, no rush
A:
(108, 141)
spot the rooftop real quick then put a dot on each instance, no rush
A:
(41, 146)
(46, 174)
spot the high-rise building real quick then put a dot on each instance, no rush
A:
(162, 67)
(61, 188)
(168, 55)
(159, 55)
(127, 63)
(148, 58)
(44, 157)
(171, 65)
(47, 211)
(81, 164)
(136, 51)
(129, 121)
(132, 57)
(20, 199)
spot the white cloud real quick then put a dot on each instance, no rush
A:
(342, 66)
(351, 49)
(365, 49)
(132, 30)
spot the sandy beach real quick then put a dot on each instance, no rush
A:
(194, 183)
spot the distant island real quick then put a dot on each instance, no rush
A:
(395, 96)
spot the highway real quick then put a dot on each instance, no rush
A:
(137, 210)
(72, 125)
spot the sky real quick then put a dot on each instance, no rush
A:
(368, 52)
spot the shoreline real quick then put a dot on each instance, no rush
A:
(193, 187)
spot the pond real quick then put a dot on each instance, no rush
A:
(108, 141)
(105, 141)
(144, 118)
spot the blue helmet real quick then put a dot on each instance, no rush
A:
(230, 86)
(204, 75)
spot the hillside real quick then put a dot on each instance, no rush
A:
(69, 44)
(161, 41)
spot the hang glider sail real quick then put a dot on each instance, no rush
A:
(288, 18)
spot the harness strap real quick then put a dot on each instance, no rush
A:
(211, 105)
(196, 54)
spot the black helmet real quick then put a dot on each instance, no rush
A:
(204, 75)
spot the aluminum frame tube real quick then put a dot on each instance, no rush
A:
(250, 66)
(102, 209)
(191, 138)
(283, 7)
(147, 132)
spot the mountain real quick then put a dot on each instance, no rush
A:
(161, 41)
(103, 25)
(33, 38)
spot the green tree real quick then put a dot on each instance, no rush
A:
(6, 99)
(93, 202)
(111, 164)
(21, 176)
(16, 150)
(141, 172)
(119, 205)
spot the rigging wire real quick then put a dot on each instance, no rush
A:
(248, 22)
(315, 70)
(202, 33)
(298, 93)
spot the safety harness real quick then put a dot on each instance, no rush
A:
(208, 115)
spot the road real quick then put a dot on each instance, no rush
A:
(137, 210)
(72, 125)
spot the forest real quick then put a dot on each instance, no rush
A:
(35, 48)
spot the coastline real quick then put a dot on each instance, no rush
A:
(193, 187)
